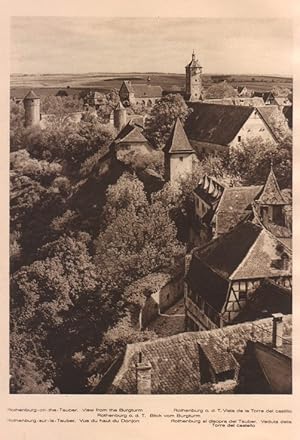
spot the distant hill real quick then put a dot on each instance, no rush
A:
(51, 83)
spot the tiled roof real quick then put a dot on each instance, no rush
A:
(175, 360)
(146, 91)
(220, 360)
(31, 95)
(215, 123)
(259, 262)
(130, 133)
(224, 254)
(271, 194)
(178, 141)
(233, 205)
(246, 252)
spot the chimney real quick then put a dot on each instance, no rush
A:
(277, 329)
(143, 376)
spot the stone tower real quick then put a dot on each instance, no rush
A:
(193, 77)
(179, 154)
(120, 117)
(32, 109)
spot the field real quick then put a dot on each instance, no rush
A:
(47, 84)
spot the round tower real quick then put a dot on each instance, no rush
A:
(193, 76)
(32, 109)
(120, 117)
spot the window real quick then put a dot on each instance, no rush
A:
(181, 158)
(243, 296)
(239, 138)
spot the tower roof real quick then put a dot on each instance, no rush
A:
(120, 106)
(194, 62)
(178, 141)
(271, 194)
(31, 95)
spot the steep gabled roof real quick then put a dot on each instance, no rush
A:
(247, 251)
(215, 123)
(233, 206)
(31, 95)
(178, 141)
(259, 261)
(271, 194)
(225, 254)
(130, 133)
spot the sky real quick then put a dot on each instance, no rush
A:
(83, 44)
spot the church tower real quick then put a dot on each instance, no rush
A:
(32, 109)
(193, 77)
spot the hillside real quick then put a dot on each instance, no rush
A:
(49, 84)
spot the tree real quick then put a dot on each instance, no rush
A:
(162, 117)
(221, 90)
(139, 239)
(60, 106)
(57, 299)
(17, 129)
(251, 162)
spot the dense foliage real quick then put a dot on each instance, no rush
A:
(162, 117)
(72, 268)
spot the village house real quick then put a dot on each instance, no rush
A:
(134, 94)
(224, 274)
(219, 208)
(243, 91)
(214, 127)
(243, 358)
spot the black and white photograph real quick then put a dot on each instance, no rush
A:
(150, 205)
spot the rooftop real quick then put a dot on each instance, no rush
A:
(176, 360)
(178, 141)
(216, 123)
(234, 203)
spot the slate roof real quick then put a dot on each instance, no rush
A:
(178, 141)
(175, 360)
(219, 359)
(271, 194)
(216, 123)
(234, 203)
(31, 95)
